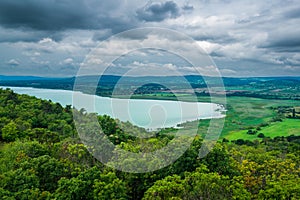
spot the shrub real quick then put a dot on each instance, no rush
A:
(261, 135)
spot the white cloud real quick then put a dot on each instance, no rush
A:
(31, 53)
(39, 61)
(209, 47)
(13, 62)
(228, 72)
(68, 61)
(204, 70)
(46, 41)
(137, 68)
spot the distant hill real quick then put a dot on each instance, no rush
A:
(262, 87)
(18, 78)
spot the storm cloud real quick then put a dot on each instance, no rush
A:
(244, 38)
(61, 15)
(158, 11)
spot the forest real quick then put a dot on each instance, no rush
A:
(43, 157)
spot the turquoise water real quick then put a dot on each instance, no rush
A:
(150, 114)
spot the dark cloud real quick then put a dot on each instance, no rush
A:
(293, 13)
(158, 11)
(44, 15)
(60, 15)
(12, 35)
(221, 38)
(145, 32)
(288, 42)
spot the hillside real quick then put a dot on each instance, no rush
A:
(42, 157)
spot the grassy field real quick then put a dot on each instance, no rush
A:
(248, 113)
(285, 128)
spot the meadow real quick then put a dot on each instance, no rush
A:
(244, 113)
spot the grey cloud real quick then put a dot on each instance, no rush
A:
(265, 35)
(221, 38)
(43, 15)
(243, 21)
(292, 13)
(188, 7)
(283, 31)
(102, 35)
(248, 68)
(69, 69)
(139, 34)
(12, 35)
(158, 11)
(286, 45)
(216, 54)
(146, 32)
(61, 15)
(283, 42)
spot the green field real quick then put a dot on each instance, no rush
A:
(285, 128)
(248, 113)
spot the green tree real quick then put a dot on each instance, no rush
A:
(73, 188)
(19, 180)
(109, 186)
(80, 187)
(203, 185)
(10, 132)
(218, 160)
(171, 187)
(49, 171)
(199, 184)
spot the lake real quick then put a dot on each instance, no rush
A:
(150, 114)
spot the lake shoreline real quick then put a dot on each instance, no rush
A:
(216, 110)
(145, 97)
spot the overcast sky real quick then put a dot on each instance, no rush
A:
(243, 38)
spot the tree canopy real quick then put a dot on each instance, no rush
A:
(42, 157)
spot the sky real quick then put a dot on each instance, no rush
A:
(243, 38)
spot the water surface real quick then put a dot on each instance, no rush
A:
(150, 114)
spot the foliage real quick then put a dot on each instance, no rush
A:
(42, 157)
(10, 132)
